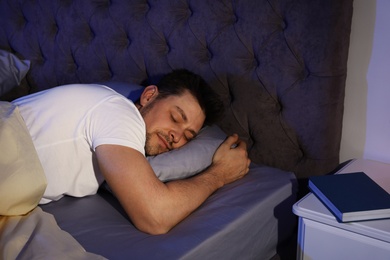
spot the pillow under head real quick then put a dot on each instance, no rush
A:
(189, 159)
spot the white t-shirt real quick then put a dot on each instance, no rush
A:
(67, 123)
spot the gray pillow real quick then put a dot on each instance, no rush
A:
(12, 71)
(190, 159)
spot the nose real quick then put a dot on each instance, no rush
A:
(176, 135)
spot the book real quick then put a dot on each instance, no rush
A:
(351, 196)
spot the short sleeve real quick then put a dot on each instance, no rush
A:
(117, 121)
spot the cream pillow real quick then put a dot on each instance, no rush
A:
(22, 180)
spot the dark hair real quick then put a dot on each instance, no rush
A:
(178, 81)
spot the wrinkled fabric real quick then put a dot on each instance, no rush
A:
(36, 235)
(12, 71)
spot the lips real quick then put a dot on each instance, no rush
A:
(165, 141)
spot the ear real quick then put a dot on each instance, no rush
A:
(149, 93)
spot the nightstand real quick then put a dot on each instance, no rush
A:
(320, 236)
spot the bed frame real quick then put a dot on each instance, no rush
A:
(279, 65)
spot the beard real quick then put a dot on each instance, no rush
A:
(149, 149)
(152, 150)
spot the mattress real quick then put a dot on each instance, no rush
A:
(242, 220)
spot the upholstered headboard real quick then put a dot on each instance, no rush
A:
(280, 65)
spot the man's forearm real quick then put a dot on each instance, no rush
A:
(178, 200)
(156, 207)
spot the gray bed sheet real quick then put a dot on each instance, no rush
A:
(244, 220)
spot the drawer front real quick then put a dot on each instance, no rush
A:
(320, 241)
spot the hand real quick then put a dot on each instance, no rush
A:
(230, 161)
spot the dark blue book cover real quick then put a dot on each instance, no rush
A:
(351, 196)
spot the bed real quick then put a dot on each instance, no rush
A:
(280, 67)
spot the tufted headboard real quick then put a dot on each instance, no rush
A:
(280, 65)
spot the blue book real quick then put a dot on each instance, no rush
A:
(351, 196)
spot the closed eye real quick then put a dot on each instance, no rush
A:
(190, 135)
(173, 118)
(176, 118)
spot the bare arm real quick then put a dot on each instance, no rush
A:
(155, 207)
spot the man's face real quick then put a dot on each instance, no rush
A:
(171, 122)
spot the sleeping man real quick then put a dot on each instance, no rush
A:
(85, 134)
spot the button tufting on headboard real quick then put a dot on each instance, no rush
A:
(279, 65)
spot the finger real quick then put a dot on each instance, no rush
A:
(241, 143)
(232, 140)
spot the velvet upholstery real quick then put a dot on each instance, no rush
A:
(280, 65)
